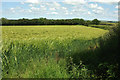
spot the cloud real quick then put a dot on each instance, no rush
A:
(116, 6)
(31, 5)
(104, 1)
(79, 8)
(35, 9)
(89, 12)
(64, 8)
(42, 6)
(116, 12)
(32, 1)
(68, 13)
(12, 10)
(52, 13)
(74, 2)
(52, 5)
(98, 12)
(17, 10)
(95, 6)
(56, 4)
(52, 9)
(100, 8)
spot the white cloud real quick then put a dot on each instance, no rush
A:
(64, 8)
(74, 2)
(52, 5)
(100, 8)
(89, 12)
(55, 4)
(12, 10)
(54, 13)
(116, 12)
(42, 6)
(38, 9)
(52, 9)
(95, 6)
(79, 9)
(35, 9)
(32, 1)
(116, 6)
(17, 10)
(82, 10)
(31, 5)
(98, 11)
(48, 4)
(68, 13)
(104, 1)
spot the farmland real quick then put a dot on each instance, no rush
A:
(51, 32)
(46, 51)
(68, 39)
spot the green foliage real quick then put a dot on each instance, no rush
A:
(106, 27)
(109, 49)
(44, 21)
(95, 21)
(87, 23)
(4, 20)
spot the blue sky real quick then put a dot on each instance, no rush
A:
(64, 9)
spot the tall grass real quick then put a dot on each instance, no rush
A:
(38, 52)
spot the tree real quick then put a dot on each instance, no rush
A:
(87, 23)
(95, 21)
(4, 21)
(81, 22)
(42, 21)
(76, 21)
(45, 21)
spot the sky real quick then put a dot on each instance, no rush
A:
(60, 9)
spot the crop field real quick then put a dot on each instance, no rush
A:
(51, 32)
(47, 51)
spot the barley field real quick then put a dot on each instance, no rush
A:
(47, 51)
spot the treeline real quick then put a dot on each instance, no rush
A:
(44, 21)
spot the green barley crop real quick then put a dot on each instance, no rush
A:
(43, 51)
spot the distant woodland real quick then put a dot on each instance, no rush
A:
(44, 21)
